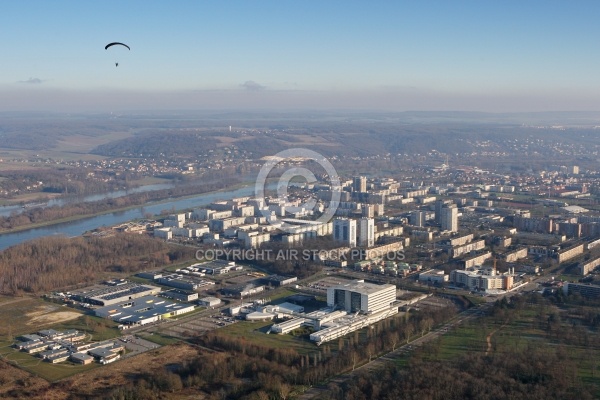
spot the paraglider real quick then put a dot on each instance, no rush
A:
(116, 44)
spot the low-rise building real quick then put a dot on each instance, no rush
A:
(483, 279)
(437, 276)
(181, 295)
(209, 301)
(278, 280)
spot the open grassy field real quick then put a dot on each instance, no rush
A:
(256, 332)
(159, 338)
(526, 328)
(29, 314)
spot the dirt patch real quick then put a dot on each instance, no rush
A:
(54, 318)
(41, 310)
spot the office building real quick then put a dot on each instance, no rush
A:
(360, 296)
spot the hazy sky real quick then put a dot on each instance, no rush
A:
(368, 55)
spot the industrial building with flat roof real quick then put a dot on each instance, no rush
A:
(105, 295)
(217, 267)
(278, 280)
(181, 295)
(143, 310)
(209, 301)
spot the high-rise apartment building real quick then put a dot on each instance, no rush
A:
(439, 204)
(449, 220)
(344, 230)
(359, 184)
(366, 232)
(417, 218)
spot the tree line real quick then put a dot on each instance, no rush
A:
(52, 263)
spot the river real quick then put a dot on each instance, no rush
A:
(78, 227)
(5, 211)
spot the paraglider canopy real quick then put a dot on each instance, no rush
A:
(114, 44)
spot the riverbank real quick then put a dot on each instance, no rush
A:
(165, 200)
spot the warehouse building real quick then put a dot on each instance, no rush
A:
(143, 310)
(181, 295)
(209, 301)
(104, 295)
(278, 280)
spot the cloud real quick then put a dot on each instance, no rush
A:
(32, 81)
(253, 86)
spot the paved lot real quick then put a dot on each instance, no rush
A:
(136, 345)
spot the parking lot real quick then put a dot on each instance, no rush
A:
(136, 345)
(197, 325)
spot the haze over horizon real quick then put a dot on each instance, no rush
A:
(389, 56)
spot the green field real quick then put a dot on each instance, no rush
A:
(519, 331)
(255, 332)
(158, 338)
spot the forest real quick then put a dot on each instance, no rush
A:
(53, 263)
(236, 368)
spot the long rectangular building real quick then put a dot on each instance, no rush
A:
(111, 294)
(583, 289)
(587, 267)
(143, 310)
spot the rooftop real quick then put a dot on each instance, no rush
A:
(363, 287)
